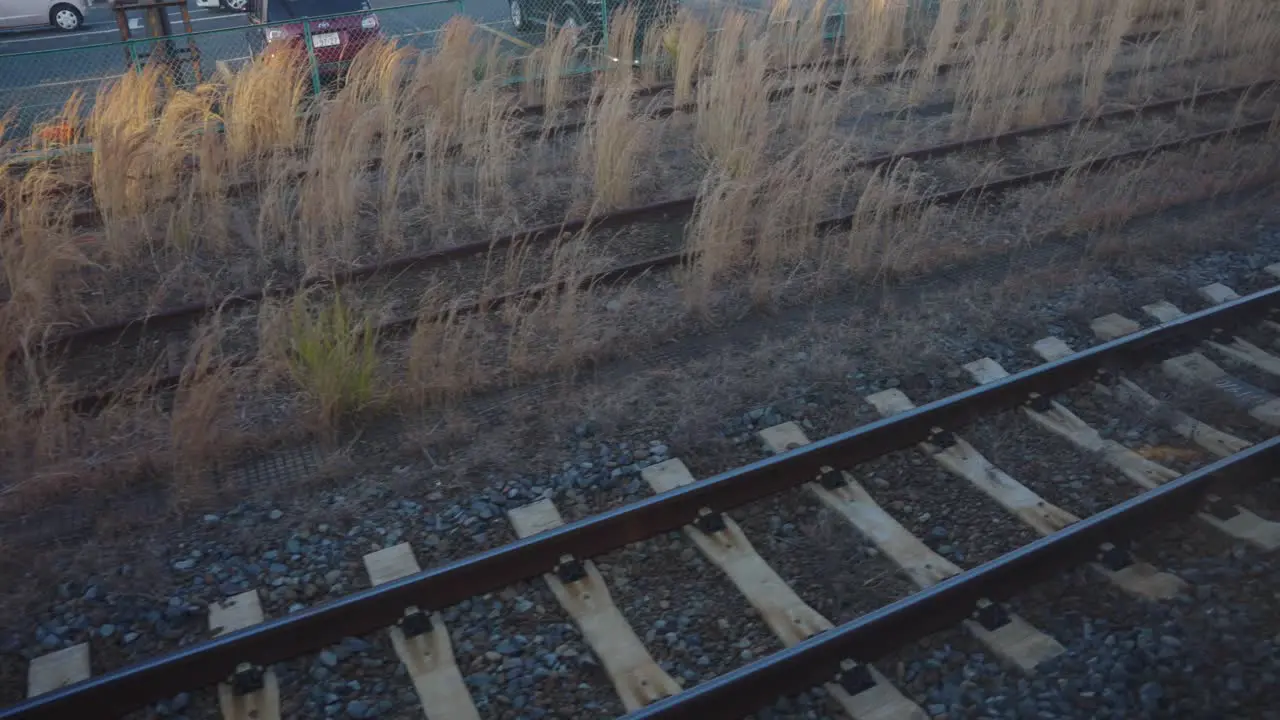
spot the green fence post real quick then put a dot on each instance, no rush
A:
(311, 55)
(133, 57)
(604, 23)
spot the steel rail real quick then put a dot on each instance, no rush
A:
(746, 689)
(984, 191)
(95, 402)
(367, 611)
(881, 78)
(184, 315)
(837, 60)
(92, 217)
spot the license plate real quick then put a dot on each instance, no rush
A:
(325, 40)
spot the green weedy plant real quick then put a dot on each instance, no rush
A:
(333, 357)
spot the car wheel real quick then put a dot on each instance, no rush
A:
(234, 5)
(66, 17)
(518, 19)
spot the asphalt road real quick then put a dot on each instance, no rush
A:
(40, 68)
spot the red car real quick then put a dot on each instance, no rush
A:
(338, 28)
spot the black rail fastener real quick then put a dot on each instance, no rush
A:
(1105, 378)
(1038, 402)
(248, 678)
(709, 521)
(793, 670)
(832, 479)
(1221, 508)
(1115, 556)
(990, 615)
(855, 677)
(312, 629)
(942, 438)
(416, 623)
(570, 570)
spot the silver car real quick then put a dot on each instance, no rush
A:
(62, 14)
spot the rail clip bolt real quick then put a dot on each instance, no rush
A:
(1114, 557)
(709, 521)
(1105, 377)
(1221, 509)
(942, 438)
(832, 479)
(855, 677)
(415, 623)
(570, 570)
(1039, 403)
(990, 615)
(248, 678)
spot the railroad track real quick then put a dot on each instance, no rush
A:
(533, 130)
(1202, 351)
(119, 331)
(1017, 156)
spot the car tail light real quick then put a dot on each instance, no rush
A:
(369, 22)
(274, 34)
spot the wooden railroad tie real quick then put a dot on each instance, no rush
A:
(252, 692)
(421, 641)
(861, 690)
(1010, 637)
(582, 592)
(960, 458)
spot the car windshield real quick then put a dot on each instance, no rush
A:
(295, 9)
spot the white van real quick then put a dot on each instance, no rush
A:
(62, 14)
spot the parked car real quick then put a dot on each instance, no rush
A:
(232, 5)
(66, 15)
(339, 30)
(586, 15)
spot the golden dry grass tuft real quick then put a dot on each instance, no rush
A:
(612, 146)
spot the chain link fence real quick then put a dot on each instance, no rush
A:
(36, 86)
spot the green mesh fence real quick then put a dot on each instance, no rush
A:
(35, 86)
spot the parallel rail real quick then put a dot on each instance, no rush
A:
(364, 612)
(800, 667)
(185, 316)
(94, 402)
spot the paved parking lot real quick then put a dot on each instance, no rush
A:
(40, 68)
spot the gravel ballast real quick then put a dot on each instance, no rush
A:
(1213, 653)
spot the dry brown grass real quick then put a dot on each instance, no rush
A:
(450, 168)
(39, 250)
(687, 42)
(612, 146)
(544, 73)
(733, 119)
(875, 33)
(201, 423)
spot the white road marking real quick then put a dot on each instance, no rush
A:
(66, 82)
(98, 79)
(113, 31)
